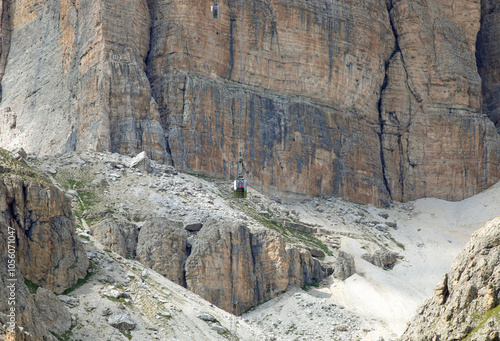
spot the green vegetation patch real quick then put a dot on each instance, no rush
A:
(9, 166)
(127, 334)
(308, 287)
(493, 313)
(32, 287)
(66, 336)
(81, 281)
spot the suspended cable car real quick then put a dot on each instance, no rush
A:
(240, 184)
(215, 10)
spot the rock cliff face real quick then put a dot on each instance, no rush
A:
(237, 269)
(47, 251)
(224, 263)
(488, 54)
(466, 304)
(435, 141)
(371, 101)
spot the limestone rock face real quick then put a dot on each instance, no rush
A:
(224, 262)
(27, 314)
(119, 236)
(73, 77)
(236, 269)
(467, 301)
(52, 310)
(48, 251)
(371, 101)
(435, 140)
(162, 246)
(298, 81)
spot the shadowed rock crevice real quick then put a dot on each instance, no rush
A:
(487, 55)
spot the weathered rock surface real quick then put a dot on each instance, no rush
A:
(119, 235)
(467, 301)
(52, 310)
(236, 268)
(370, 101)
(344, 266)
(48, 251)
(435, 140)
(382, 258)
(162, 246)
(122, 321)
(488, 54)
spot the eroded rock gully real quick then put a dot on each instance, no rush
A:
(372, 101)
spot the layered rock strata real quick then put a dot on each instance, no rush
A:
(372, 101)
(435, 140)
(466, 304)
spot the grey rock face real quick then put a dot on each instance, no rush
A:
(122, 321)
(52, 310)
(488, 53)
(344, 266)
(119, 235)
(466, 302)
(50, 254)
(382, 258)
(162, 246)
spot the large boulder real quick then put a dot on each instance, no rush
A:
(53, 311)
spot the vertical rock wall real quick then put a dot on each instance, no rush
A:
(435, 140)
(488, 56)
(372, 101)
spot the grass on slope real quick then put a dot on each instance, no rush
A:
(489, 316)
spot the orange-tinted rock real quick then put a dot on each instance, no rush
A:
(331, 97)
(436, 142)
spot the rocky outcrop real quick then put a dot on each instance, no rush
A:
(466, 304)
(236, 268)
(36, 225)
(26, 314)
(162, 246)
(117, 234)
(384, 259)
(48, 251)
(225, 262)
(369, 101)
(53, 312)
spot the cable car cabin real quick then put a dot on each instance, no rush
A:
(240, 188)
(215, 11)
